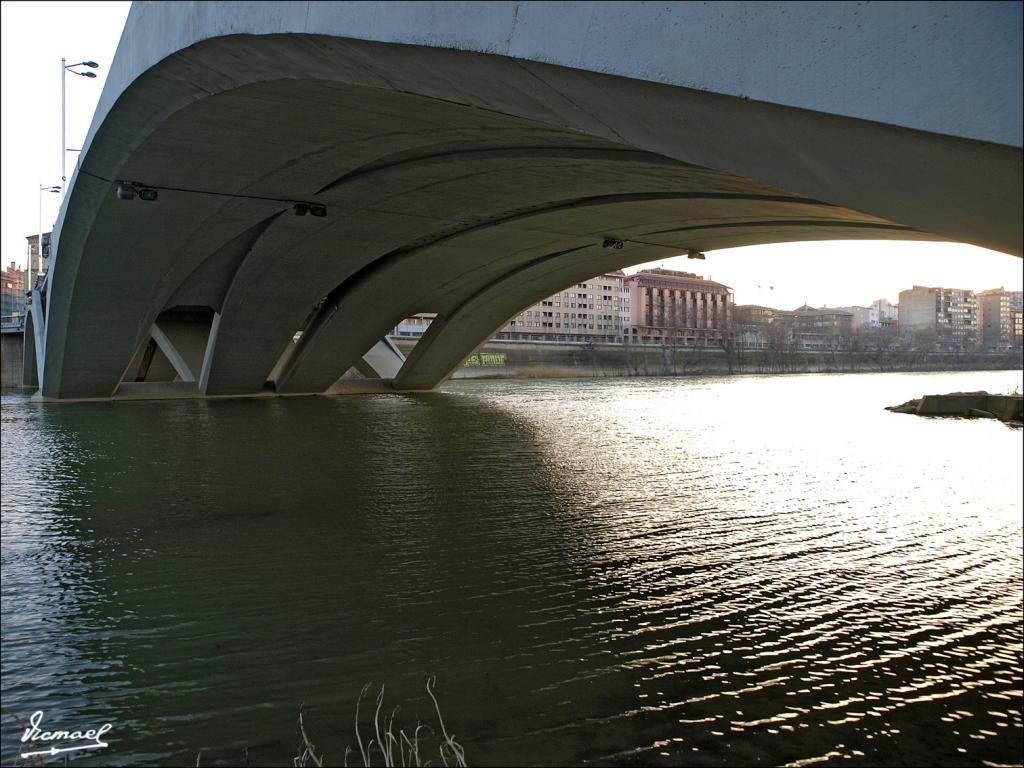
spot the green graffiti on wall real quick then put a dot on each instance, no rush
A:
(485, 360)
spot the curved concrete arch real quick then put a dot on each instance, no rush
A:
(251, 331)
(365, 308)
(452, 338)
(130, 281)
(475, 156)
(294, 278)
(236, 111)
(444, 274)
(462, 327)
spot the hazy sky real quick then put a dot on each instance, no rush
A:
(34, 36)
(843, 273)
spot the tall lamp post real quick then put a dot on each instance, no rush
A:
(39, 246)
(64, 69)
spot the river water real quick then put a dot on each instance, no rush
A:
(697, 571)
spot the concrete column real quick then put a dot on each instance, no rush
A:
(29, 369)
(383, 361)
(184, 342)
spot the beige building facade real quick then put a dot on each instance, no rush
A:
(594, 311)
(660, 306)
(951, 314)
(39, 266)
(822, 329)
(760, 327)
(12, 290)
(995, 327)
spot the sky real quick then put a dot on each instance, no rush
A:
(33, 38)
(35, 35)
(848, 273)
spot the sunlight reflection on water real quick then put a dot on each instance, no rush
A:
(708, 571)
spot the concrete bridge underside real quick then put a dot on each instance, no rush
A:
(457, 182)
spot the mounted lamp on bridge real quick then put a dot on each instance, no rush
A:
(301, 209)
(127, 190)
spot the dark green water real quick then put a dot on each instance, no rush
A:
(654, 571)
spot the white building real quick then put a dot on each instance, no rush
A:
(882, 314)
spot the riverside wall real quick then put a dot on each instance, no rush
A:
(544, 360)
(11, 345)
(541, 360)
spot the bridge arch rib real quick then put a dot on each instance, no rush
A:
(439, 188)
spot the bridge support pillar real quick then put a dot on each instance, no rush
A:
(383, 361)
(29, 371)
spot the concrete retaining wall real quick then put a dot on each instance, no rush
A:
(546, 360)
(11, 345)
(1005, 407)
(510, 360)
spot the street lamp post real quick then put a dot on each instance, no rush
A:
(64, 69)
(39, 246)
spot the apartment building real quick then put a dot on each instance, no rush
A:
(1016, 317)
(860, 317)
(39, 266)
(805, 328)
(882, 314)
(413, 327)
(758, 327)
(950, 313)
(596, 310)
(822, 329)
(12, 303)
(995, 328)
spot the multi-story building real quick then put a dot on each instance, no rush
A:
(1016, 317)
(859, 316)
(678, 308)
(12, 299)
(995, 329)
(950, 314)
(39, 267)
(821, 328)
(757, 327)
(596, 310)
(413, 327)
(882, 314)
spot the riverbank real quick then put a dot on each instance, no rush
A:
(544, 360)
(547, 360)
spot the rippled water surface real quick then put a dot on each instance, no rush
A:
(645, 571)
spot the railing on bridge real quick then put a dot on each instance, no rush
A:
(12, 323)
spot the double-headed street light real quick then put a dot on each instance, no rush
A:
(64, 69)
